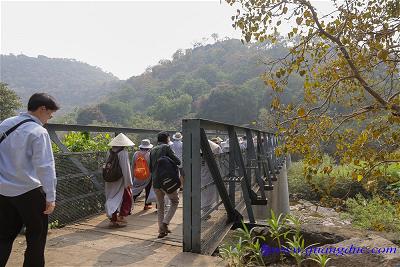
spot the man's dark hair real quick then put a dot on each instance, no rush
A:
(38, 100)
(162, 137)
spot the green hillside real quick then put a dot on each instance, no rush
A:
(220, 81)
(73, 83)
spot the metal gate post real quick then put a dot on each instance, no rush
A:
(192, 185)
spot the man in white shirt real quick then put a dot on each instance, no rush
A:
(27, 179)
(177, 147)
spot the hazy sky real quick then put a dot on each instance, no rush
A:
(119, 37)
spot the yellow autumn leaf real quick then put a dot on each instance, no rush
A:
(301, 112)
(359, 177)
(275, 103)
(272, 83)
(383, 54)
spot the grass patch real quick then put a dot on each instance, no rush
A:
(376, 214)
(339, 183)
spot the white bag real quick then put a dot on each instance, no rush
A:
(152, 196)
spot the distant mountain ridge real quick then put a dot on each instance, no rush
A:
(74, 84)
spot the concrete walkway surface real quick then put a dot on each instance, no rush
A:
(92, 243)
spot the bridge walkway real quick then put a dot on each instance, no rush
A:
(92, 243)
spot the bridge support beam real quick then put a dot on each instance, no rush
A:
(288, 161)
(280, 195)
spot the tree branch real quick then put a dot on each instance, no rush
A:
(350, 116)
(327, 99)
(364, 84)
(379, 163)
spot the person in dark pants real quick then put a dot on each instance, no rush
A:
(163, 149)
(147, 205)
(27, 179)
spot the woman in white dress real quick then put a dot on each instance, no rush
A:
(118, 194)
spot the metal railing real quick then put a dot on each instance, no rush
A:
(219, 187)
(80, 187)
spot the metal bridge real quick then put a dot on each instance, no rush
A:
(222, 188)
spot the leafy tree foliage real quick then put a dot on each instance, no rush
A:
(142, 121)
(116, 112)
(349, 60)
(9, 102)
(88, 115)
(229, 104)
(84, 141)
(196, 87)
(167, 109)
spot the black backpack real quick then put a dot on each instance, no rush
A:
(167, 172)
(112, 171)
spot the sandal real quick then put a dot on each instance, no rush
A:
(147, 207)
(122, 220)
(115, 225)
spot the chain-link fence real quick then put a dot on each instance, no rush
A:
(80, 187)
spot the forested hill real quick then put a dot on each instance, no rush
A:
(220, 81)
(73, 83)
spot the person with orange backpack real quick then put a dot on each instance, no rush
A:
(141, 172)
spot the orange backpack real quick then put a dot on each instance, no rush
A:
(141, 170)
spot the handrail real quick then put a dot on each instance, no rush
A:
(216, 125)
(89, 128)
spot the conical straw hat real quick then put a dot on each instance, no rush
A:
(121, 140)
(214, 147)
